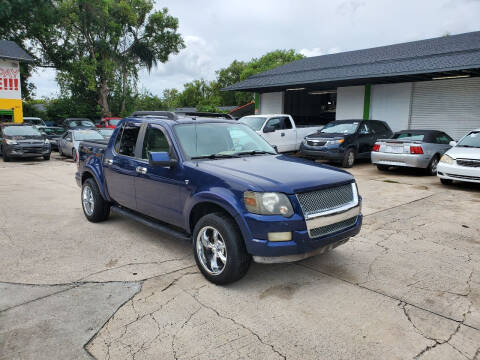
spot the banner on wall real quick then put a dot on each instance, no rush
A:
(9, 80)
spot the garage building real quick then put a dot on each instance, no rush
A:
(427, 84)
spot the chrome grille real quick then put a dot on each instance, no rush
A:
(325, 199)
(468, 162)
(332, 228)
(316, 143)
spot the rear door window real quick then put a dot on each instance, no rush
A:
(443, 139)
(155, 141)
(126, 141)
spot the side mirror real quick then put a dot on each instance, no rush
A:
(268, 129)
(452, 143)
(161, 159)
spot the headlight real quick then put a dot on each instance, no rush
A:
(447, 159)
(335, 142)
(11, 142)
(268, 203)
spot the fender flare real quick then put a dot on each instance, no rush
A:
(226, 200)
(96, 177)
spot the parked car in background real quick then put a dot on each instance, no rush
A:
(108, 122)
(411, 148)
(344, 141)
(52, 133)
(234, 197)
(279, 130)
(78, 123)
(33, 121)
(68, 143)
(22, 141)
(106, 132)
(462, 161)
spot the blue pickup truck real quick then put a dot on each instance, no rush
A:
(220, 185)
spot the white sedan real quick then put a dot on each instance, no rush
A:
(462, 161)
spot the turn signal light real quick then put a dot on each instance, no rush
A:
(376, 147)
(416, 150)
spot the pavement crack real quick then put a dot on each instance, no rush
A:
(195, 297)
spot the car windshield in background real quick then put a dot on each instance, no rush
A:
(254, 122)
(471, 140)
(87, 135)
(106, 132)
(409, 136)
(114, 122)
(21, 131)
(220, 140)
(75, 123)
(53, 131)
(340, 128)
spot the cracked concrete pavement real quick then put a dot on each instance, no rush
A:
(407, 287)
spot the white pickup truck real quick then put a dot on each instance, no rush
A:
(279, 130)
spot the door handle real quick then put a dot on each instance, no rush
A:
(109, 162)
(282, 134)
(141, 170)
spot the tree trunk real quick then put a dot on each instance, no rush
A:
(103, 99)
(124, 89)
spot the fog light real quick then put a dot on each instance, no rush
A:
(280, 236)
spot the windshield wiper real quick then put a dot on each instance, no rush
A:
(255, 152)
(215, 156)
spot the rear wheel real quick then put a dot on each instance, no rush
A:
(95, 208)
(432, 167)
(446, 181)
(383, 167)
(348, 158)
(219, 249)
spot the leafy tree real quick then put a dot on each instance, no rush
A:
(93, 43)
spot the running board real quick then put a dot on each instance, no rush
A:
(151, 223)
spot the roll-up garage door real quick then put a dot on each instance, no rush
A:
(451, 105)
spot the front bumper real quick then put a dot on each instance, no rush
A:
(15, 151)
(407, 160)
(302, 244)
(333, 152)
(460, 173)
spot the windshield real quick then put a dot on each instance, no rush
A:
(106, 132)
(207, 139)
(75, 123)
(255, 122)
(114, 122)
(33, 121)
(340, 128)
(53, 131)
(409, 136)
(471, 140)
(21, 131)
(87, 135)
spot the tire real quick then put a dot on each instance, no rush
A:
(74, 155)
(348, 158)
(99, 209)
(446, 181)
(60, 153)
(432, 167)
(383, 167)
(46, 157)
(5, 156)
(229, 245)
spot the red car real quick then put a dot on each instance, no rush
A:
(109, 122)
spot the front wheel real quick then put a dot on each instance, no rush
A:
(46, 157)
(5, 156)
(74, 155)
(219, 249)
(348, 158)
(95, 208)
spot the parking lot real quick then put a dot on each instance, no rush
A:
(407, 287)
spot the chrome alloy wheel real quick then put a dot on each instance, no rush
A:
(87, 200)
(351, 158)
(434, 165)
(211, 250)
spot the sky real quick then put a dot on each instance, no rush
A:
(216, 32)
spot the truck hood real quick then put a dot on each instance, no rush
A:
(279, 173)
(464, 153)
(320, 135)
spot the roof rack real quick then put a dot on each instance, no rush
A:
(208, 114)
(164, 114)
